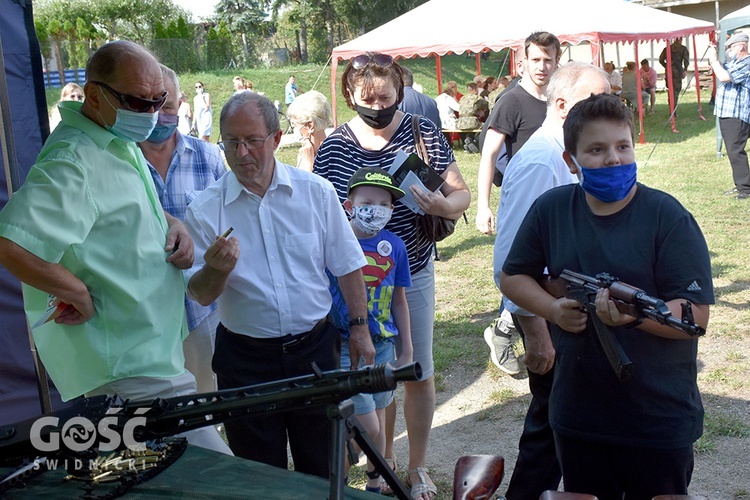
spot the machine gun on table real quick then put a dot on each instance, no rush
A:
(629, 300)
(163, 417)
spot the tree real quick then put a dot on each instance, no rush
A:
(85, 23)
(219, 48)
(244, 17)
(134, 19)
(56, 33)
(174, 45)
(44, 46)
(296, 13)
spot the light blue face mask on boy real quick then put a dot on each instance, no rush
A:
(608, 184)
(131, 126)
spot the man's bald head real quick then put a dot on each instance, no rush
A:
(116, 56)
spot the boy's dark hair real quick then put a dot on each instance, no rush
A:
(543, 39)
(597, 107)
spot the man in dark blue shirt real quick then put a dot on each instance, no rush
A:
(417, 103)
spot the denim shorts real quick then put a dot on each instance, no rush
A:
(384, 353)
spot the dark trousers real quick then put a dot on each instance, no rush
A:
(677, 84)
(735, 133)
(609, 471)
(537, 468)
(240, 360)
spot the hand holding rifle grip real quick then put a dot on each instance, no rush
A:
(583, 289)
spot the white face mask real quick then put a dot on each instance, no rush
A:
(370, 219)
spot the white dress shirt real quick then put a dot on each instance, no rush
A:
(287, 238)
(446, 105)
(536, 168)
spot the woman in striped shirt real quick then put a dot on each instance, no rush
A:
(373, 86)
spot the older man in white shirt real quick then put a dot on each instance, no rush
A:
(274, 301)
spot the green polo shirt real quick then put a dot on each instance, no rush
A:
(89, 203)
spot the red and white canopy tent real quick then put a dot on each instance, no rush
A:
(439, 27)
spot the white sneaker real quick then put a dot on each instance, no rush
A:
(501, 349)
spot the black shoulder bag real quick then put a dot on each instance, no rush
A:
(436, 228)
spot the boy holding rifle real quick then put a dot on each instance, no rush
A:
(615, 437)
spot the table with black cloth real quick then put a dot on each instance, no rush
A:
(198, 473)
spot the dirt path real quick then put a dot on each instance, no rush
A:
(481, 411)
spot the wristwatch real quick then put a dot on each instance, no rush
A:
(360, 320)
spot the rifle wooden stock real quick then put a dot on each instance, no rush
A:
(565, 495)
(477, 476)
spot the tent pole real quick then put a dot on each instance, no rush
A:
(714, 39)
(439, 71)
(670, 83)
(595, 53)
(334, 65)
(697, 79)
(638, 90)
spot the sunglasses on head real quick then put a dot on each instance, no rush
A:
(382, 60)
(133, 103)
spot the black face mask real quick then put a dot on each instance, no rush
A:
(376, 118)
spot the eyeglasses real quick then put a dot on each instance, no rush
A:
(133, 103)
(250, 144)
(382, 60)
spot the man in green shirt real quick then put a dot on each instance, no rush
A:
(87, 230)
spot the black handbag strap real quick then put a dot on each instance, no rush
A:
(421, 148)
(419, 140)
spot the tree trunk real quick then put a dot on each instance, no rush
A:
(303, 40)
(245, 51)
(73, 57)
(58, 59)
(329, 24)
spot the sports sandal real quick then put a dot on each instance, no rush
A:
(422, 487)
(373, 475)
(385, 488)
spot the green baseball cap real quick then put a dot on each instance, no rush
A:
(374, 176)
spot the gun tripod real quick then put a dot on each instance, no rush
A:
(346, 427)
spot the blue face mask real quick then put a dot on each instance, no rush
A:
(166, 124)
(608, 184)
(131, 126)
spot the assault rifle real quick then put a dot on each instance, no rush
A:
(629, 300)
